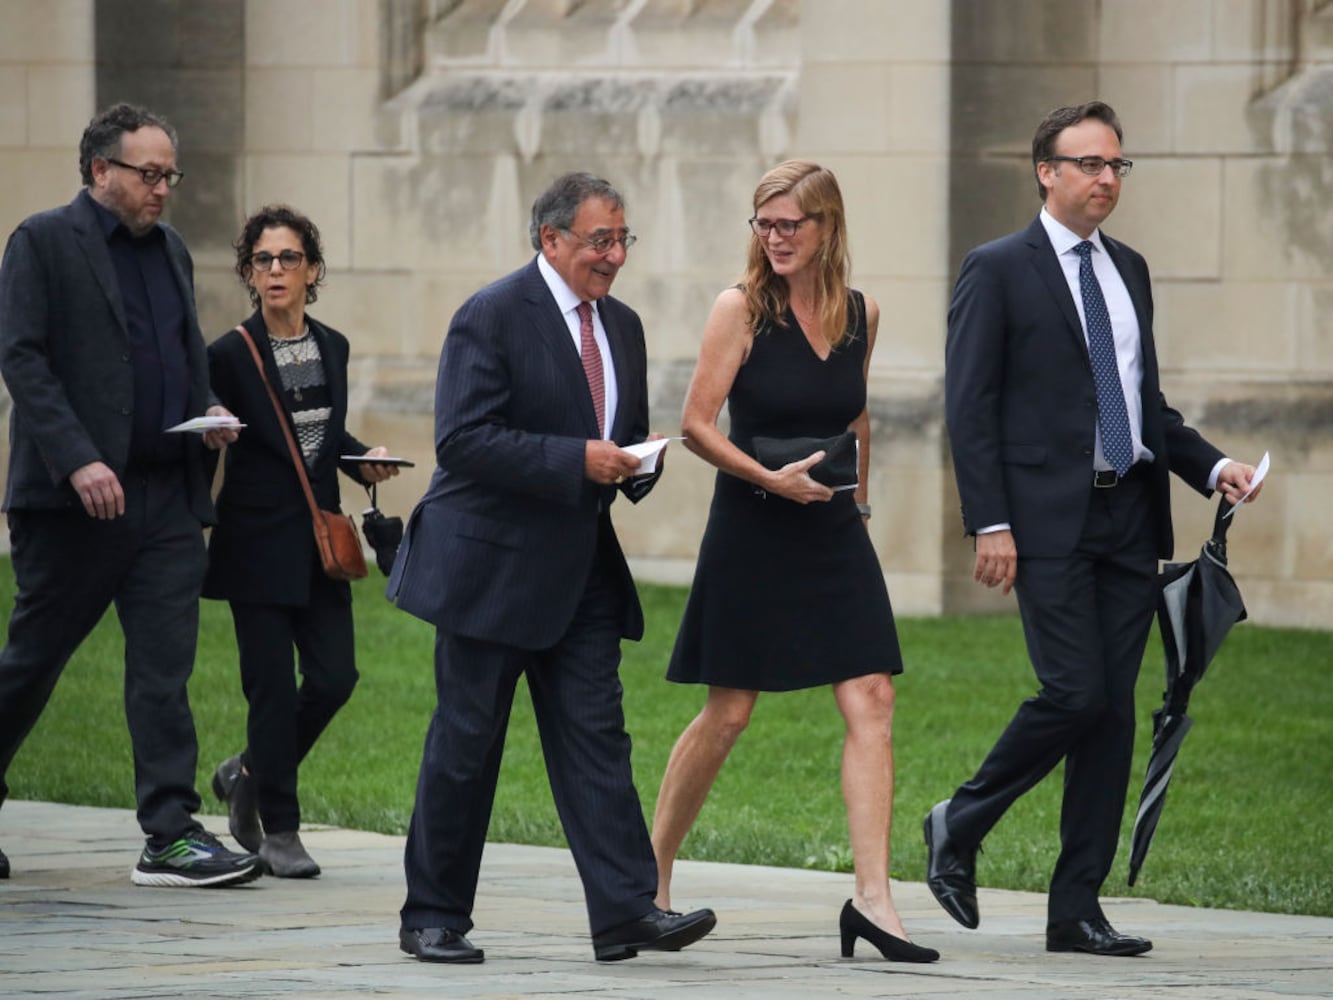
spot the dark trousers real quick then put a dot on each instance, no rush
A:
(285, 720)
(69, 569)
(1086, 619)
(576, 697)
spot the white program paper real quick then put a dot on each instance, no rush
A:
(647, 453)
(200, 425)
(1260, 471)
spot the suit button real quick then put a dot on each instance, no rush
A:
(124, 411)
(1087, 451)
(125, 358)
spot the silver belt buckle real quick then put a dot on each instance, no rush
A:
(1104, 479)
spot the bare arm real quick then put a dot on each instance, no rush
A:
(861, 425)
(726, 345)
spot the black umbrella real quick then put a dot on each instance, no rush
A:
(1197, 604)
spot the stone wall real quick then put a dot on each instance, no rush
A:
(417, 132)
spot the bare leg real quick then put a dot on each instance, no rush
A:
(866, 704)
(695, 762)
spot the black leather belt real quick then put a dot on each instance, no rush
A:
(1106, 479)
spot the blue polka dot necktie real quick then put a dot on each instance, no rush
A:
(1112, 417)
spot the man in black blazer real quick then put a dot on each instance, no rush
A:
(101, 351)
(511, 555)
(1062, 443)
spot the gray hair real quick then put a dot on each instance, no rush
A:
(101, 139)
(559, 203)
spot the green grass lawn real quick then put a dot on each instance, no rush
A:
(1243, 826)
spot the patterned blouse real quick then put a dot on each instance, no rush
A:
(305, 389)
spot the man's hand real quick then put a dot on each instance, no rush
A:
(1233, 482)
(99, 489)
(220, 437)
(997, 560)
(607, 463)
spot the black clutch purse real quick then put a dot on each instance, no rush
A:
(837, 469)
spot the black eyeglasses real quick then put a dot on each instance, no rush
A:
(290, 260)
(603, 242)
(785, 227)
(151, 175)
(1094, 165)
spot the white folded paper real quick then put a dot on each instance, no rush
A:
(199, 425)
(1260, 471)
(647, 453)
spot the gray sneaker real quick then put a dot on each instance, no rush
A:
(197, 859)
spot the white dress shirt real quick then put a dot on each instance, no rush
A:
(1124, 330)
(568, 303)
(1124, 324)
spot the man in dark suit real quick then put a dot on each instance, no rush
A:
(101, 351)
(512, 556)
(1062, 443)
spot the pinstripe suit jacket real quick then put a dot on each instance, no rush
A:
(501, 545)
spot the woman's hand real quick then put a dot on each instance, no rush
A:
(793, 482)
(377, 473)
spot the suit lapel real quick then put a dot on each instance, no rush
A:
(1137, 293)
(93, 244)
(1047, 265)
(620, 361)
(553, 332)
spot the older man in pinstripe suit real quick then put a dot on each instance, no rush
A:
(512, 556)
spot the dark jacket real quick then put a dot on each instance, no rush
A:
(1021, 403)
(501, 546)
(263, 548)
(65, 358)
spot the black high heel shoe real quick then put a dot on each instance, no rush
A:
(854, 924)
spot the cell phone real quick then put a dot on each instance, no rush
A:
(378, 460)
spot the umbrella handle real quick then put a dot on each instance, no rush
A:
(1221, 522)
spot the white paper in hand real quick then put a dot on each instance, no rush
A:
(200, 425)
(1260, 471)
(647, 453)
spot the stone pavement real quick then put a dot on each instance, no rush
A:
(72, 925)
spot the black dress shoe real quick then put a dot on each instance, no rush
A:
(1095, 937)
(659, 930)
(4, 865)
(951, 870)
(439, 944)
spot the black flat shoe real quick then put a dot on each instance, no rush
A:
(439, 944)
(660, 930)
(951, 870)
(1093, 937)
(855, 924)
(4, 865)
(236, 788)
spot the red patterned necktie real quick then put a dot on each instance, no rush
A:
(592, 365)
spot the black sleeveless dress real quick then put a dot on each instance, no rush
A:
(785, 595)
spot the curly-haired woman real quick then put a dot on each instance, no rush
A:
(262, 555)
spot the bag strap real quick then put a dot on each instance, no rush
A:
(297, 460)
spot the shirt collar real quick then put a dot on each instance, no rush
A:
(565, 298)
(1063, 239)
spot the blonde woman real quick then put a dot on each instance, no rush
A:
(788, 592)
